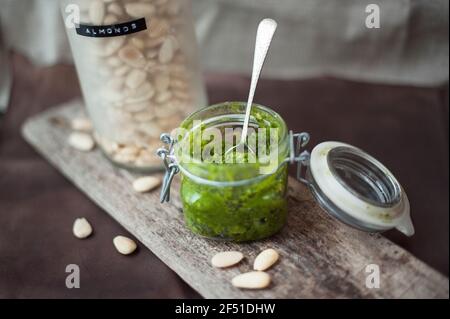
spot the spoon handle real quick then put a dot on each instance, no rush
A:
(264, 35)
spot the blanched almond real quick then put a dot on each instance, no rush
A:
(146, 184)
(97, 12)
(265, 259)
(81, 228)
(132, 56)
(139, 10)
(124, 245)
(81, 141)
(251, 280)
(163, 97)
(129, 150)
(138, 43)
(226, 259)
(111, 45)
(152, 43)
(143, 161)
(124, 158)
(158, 28)
(166, 51)
(110, 19)
(115, 8)
(135, 78)
(143, 93)
(82, 124)
(114, 62)
(147, 157)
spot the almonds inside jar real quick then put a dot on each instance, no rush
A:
(137, 85)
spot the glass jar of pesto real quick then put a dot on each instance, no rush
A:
(242, 195)
(225, 196)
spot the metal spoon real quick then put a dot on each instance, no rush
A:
(264, 35)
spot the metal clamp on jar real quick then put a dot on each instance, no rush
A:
(347, 183)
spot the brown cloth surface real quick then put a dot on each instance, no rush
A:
(405, 127)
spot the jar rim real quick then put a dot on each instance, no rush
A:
(380, 189)
(282, 140)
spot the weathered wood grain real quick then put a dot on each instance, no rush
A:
(320, 257)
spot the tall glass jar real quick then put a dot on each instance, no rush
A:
(138, 70)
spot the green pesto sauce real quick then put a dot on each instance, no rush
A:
(236, 213)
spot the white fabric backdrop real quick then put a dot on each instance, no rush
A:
(318, 37)
(315, 37)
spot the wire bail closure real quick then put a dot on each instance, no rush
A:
(297, 142)
(167, 155)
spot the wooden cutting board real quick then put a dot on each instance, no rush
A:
(320, 257)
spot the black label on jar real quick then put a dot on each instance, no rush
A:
(114, 30)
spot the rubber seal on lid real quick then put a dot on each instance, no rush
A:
(357, 189)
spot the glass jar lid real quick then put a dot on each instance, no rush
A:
(357, 189)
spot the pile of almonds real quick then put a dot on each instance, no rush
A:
(256, 279)
(139, 85)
